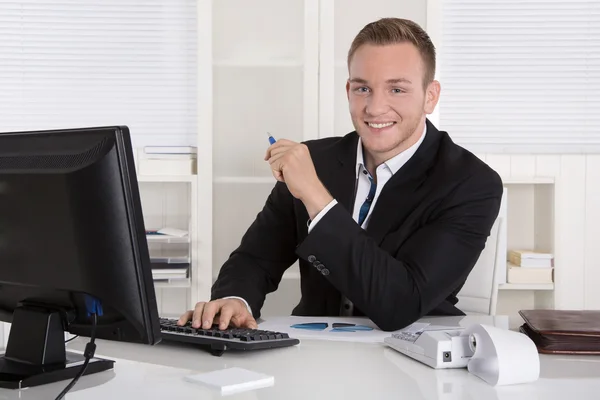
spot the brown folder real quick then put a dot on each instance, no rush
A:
(563, 331)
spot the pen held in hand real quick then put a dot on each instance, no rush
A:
(271, 138)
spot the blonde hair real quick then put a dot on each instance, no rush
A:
(397, 30)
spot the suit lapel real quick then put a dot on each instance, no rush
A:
(396, 200)
(398, 197)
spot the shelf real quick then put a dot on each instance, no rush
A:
(166, 178)
(174, 283)
(166, 239)
(169, 256)
(525, 180)
(526, 286)
(244, 179)
(233, 63)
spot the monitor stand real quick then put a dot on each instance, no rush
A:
(35, 353)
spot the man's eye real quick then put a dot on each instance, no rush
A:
(397, 90)
(362, 89)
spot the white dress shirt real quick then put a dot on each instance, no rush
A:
(384, 172)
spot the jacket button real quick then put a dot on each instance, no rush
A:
(319, 266)
(325, 271)
(311, 258)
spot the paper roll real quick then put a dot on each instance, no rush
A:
(502, 357)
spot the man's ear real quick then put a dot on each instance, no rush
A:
(432, 96)
(348, 89)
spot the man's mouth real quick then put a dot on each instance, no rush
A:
(379, 125)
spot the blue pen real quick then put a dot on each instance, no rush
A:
(271, 138)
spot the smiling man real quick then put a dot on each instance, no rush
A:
(387, 221)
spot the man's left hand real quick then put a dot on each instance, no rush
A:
(291, 163)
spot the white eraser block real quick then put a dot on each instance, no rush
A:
(232, 380)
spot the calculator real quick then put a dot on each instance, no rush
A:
(437, 349)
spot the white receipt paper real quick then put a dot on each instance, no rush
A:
(502, 357)
(232, 380)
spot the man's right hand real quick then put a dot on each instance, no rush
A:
(224, 312)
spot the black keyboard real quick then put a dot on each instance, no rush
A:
(217, 341)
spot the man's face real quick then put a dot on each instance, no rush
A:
(388, 103)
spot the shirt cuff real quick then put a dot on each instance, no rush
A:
(320, 215)
(239, 298)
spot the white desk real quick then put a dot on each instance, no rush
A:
(315, 370)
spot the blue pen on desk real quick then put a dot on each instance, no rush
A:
(271, 138)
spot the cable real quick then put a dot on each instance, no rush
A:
(90, 349)
(74, 337)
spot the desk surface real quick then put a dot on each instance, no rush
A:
(314, 370)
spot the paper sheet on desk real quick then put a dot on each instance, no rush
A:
(284, 324)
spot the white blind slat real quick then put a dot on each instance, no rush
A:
(66, 64)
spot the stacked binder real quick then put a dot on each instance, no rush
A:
(563, 331)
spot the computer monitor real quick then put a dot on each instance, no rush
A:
(73, 251)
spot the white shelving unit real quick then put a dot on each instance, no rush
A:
(171, 201)
(530, 225)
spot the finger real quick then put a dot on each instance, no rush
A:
(251, 323)
(277, 168)
(225, 316)
(271, 149)
(244, 320)
(278, 175)
(198, 310)
(280, 145)
(281, 149)
(277, 171)
(276, 157)
(185, 318)
(210, 310)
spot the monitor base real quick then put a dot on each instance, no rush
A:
(36, 352)
(15, 375)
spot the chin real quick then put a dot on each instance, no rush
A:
(378, 144)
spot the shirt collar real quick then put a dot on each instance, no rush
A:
(394, 163)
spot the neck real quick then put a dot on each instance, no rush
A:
(375, 159)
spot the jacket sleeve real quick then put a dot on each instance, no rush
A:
(266, 250)
(396, 290)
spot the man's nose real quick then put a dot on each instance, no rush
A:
(377, 104)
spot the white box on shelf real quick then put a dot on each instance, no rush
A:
(166, 164)
(530, 259)
(518, 274)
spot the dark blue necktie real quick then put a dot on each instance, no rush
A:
(364, 209)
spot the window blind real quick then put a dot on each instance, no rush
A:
(521, 75)
(77, 63)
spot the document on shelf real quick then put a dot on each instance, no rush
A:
(348, 329)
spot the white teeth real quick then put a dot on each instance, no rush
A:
(379, 126)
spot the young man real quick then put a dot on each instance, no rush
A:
(387, 221)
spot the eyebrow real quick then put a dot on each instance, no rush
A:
(389, 81)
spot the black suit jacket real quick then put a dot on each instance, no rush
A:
(426, 232)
